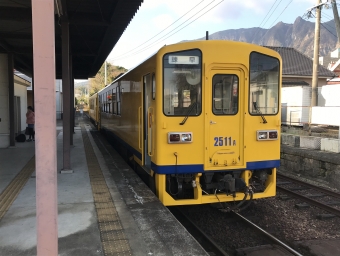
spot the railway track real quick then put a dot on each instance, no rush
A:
(214, 249)
(303, 186)
(207, 243)
(268, 235)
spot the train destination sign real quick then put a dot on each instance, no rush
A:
(177, 59)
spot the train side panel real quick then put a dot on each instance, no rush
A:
(123, 119)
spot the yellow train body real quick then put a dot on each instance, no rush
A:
(202, 118)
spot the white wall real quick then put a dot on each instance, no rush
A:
(4, 113)
(326, 115)
(20, 90)
(329, 95)
(295, 105)
(328, 110)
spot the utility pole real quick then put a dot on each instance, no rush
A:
(105, 73)
(315, 77)
(337, 22)
(316, 54)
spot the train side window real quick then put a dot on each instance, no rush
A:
(153, 87)
(101, 103)
(182, 83)
(118, 94)
(105, 102)
(109, 98)
(225, 94)
(264, 84)
(114, 106)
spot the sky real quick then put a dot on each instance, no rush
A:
(163, 22)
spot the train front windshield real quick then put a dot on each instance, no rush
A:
(182, 83)
(264, 84)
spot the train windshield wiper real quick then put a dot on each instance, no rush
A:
(259, 111)
(188, 113)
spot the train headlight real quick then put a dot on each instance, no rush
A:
(180, 137)
(267, 135)
(262, 135)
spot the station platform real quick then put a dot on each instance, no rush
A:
(103, 206)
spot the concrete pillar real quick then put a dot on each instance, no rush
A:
(45, 126)
(4, 102)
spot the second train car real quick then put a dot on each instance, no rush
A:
(201, 118)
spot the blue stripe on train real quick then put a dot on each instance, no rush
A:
(195, 168)
(263, 164)
(198, 168)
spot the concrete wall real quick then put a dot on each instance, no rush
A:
(4, 113)
(312, 164)
(311, 142)
(331, 145)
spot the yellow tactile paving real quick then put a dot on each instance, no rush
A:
(11, 192)
(113, 239)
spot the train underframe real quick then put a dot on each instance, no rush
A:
(216, 187)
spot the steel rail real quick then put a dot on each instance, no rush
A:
(273, 238)
(305, 184)
(211, 244)
(312, 201)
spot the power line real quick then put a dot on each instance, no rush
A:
(311, 14)
(273, 11)
(327, 30)
(163, 29)
(152, 44)
(282, 12)
(329, 24)
(135, 51)
(255, 32)
(276, 19)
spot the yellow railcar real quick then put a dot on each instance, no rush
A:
(94, 112)
(202, 118)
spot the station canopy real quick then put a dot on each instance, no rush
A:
(95, 26)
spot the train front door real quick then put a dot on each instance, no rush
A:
(148, 111)
(224, 90)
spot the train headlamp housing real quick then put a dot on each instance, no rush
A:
(266, 135)
(180, 137)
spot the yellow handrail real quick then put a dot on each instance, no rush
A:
(139, 126)
(150, 112)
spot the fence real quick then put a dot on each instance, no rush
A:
(323, 127)
(299, 115)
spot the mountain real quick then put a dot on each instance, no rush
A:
(299, 35)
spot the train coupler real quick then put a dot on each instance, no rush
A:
(231, 185)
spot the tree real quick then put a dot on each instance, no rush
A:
(98, 82)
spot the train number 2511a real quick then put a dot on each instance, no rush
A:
(224, 141)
